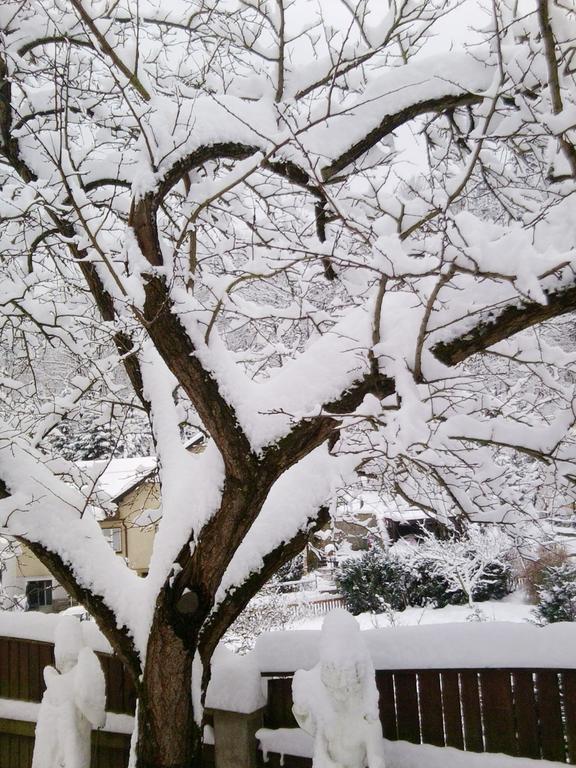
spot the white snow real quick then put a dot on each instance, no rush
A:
(27, 711)
(116, 476)
(235, 682)
(440, 646)
(336, 701)
(34, 625)
(400, 754)
(73, 703)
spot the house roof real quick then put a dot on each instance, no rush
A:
(396, 509)
(117, 477)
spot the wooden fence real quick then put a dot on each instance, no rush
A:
(520, 712)
(21, 678)
(319, 607)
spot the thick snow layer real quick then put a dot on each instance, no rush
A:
(400, 754)
(441, 646)
(235, 684)
(41, 626)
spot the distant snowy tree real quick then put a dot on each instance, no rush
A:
(468, 561)
(557, 594)
(92, 435)
(261, 217)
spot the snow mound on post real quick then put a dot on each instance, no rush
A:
(235, 684)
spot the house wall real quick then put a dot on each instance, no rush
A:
(137, 539)
(137, 542)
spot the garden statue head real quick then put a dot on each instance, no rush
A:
(344, 661)
(68, 642)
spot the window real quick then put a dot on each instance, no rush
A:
(114, 537)
(38, 594)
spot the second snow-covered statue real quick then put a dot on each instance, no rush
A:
(74, 702)
(337, 700)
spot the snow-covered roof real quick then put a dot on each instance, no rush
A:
(117, 476)
(370, 502)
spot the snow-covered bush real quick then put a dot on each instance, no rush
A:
(557, 594)
(434, 572)
(475, 565)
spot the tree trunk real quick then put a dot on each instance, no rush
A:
(168, 736)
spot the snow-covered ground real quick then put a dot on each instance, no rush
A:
(401, 754)
(511, 608)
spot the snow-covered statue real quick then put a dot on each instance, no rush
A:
(73, 703)
(337, 700)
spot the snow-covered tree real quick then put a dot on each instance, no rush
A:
(96, 435)
(462, 560)
(263, 210)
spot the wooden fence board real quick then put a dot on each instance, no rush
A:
(527, 726)
(407, 706)
(4, 666)
(569, 687)
(13, 673)
(430, 697)
(451, 708)
(278, 712)
(550, 714)
(385, 684)
(498, 711)
(471, 711)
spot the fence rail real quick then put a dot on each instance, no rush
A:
(318, 607)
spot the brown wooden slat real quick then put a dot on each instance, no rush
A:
(4, 666)
(430, 698)
(471, 711)
(550, 715)
(13, 676)
(451, 708)
(569, 686)
(45, 659)
(4, 749)
(527, 727)
(36, 675)
(407, 706)
(385, 684)
(498, 711)
(24, 682)
(278, 713)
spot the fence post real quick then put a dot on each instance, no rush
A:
(235, 743)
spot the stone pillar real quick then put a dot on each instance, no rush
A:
(235, 743)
